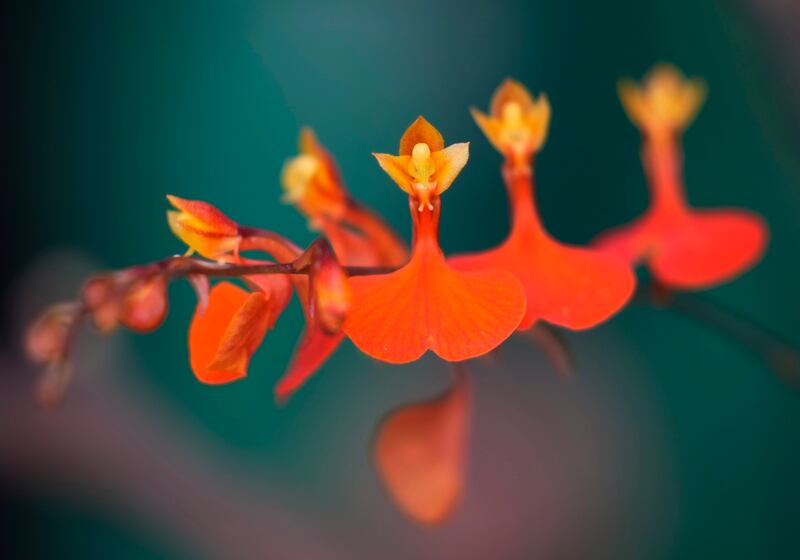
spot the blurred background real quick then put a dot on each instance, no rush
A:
(674, 442)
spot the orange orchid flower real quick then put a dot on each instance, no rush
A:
(427, 304)
(683, 247)
(203, 228)
(313, 183)
(572, 287)
(420, 454)
(517, 124)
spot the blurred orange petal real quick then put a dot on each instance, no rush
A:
(510, 91)
(420, 454)
(692, 250)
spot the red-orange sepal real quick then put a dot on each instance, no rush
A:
(420, 454)
(314, 348)
(427, 305)
(224, 337)
(203, 227)
(568, 286)
(683, 247)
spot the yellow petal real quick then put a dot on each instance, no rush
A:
(537, 121)
(397, 168)
(449, 163)
(490, 126)
(421, 132)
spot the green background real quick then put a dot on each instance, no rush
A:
(118, 104)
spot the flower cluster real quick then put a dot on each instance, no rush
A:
(360, 280)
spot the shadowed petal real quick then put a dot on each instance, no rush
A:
(420, 454)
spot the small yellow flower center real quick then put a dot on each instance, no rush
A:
(515, 134)
(421, 167)
(512, 114)
(297, 175)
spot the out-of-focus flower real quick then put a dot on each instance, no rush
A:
(569, 286)
(517, 123)
(426, 304)
(665, 103)
(312, 182)
(683, 247)
(203, 228)
(420, 454)
(224, 336)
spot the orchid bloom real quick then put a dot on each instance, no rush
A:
(427, 304)
(683, 247)
(312, 182)
(568, 286)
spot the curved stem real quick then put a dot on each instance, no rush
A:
(778, 355)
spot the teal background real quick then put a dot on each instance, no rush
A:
(114, 105)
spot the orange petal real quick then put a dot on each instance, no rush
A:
(421, 132)
(397, 168)
(510, 91)
(566, 286)
(427, 305)
(314, 348)
(691, 250)
(709, 247)
(145, 305)
(222, 339)
(204, 212)
(420, 454)
(309, 144)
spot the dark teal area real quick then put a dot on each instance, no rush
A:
(118, 104)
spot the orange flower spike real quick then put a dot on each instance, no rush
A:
(224, 337)
(426, 304)
(684, 248)
(420, 454)
(203, 228)
(517, 123)
(572, 287)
